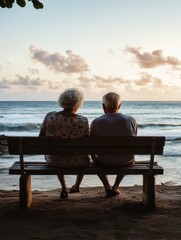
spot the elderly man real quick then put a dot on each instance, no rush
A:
(113, 123)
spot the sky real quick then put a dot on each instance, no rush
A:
(131, 47)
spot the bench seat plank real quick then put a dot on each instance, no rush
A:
(41, 168)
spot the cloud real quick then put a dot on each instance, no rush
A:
(4, 84)
(110, 81)
(145, 87)
(148, 80)
(27, 82)
(85, 82)
(70, 63)
(145, 79)
(54, 85)
(33, 70)
(24, 82)
(153, 59)
(103, 83)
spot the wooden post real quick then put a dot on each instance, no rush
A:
(153, 142)
(21, 157)
(149, 191)
(25, 197)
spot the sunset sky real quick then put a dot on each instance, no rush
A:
(129, 46)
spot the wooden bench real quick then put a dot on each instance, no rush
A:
(139, 145)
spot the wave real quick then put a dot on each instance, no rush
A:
(171, 155)
(20, 127)
(36, 126)
(3, 169)
(173, 139)
(153, 125)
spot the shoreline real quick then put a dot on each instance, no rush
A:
(89, 215)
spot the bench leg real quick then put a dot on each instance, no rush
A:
(149, 191)
(25, 197)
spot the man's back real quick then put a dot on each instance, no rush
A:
(114, 124)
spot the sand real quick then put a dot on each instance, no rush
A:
(89, 215)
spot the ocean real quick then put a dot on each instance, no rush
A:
(24, 118)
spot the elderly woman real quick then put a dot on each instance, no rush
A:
(66, 124)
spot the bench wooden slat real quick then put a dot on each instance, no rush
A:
(43, 162)
(86, 145)
(44, 169)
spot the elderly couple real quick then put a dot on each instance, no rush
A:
(68, 124)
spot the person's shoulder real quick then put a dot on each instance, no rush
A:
(50, 114)
(99, 119)
(131, 118)
(128, 117)
(83, 118)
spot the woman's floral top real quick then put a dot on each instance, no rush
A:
(55, 124)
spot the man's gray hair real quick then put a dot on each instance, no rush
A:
(71, 98)
(111, 100)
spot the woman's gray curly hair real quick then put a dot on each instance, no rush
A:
(71, 98)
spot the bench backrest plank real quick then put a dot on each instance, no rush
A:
(87, 145)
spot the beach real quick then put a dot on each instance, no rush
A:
(90, 215)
